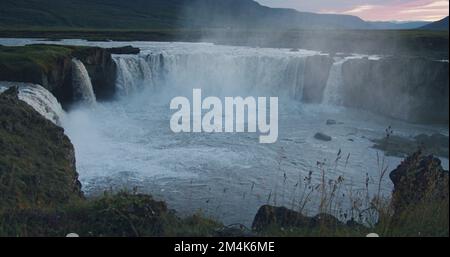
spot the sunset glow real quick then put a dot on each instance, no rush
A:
(372, 10)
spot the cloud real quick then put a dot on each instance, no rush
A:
(359, 9)
(401, 10)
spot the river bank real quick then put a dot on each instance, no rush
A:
(98, 136)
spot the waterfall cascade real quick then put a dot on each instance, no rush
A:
(218, 74)
(232, 73)
(81, 83)
(40, 99)
(332, 94)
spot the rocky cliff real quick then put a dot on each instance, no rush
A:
(407, 88)
(51, 67)
(37, 160)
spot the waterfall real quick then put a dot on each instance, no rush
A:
(216, 73)
(332, 94)
(81, 83)
(39, 98)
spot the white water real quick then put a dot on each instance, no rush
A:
(39, 98)
(81, 83)
(128, 143)
(332, 94)
(232, 72)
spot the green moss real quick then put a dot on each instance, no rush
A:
(121, 214)
(42, 56)
(37, 161)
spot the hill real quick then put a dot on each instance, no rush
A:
(438, 25)
(162, 14)
(398, 25)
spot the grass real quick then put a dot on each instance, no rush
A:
(133, 214)
(360, 211)
(122, 214)
(416, 43)
(42, 55)
(36, 169)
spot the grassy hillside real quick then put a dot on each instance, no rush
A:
(88, 13)
(160, 14)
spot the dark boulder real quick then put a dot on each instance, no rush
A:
(331, 122)
(322, 136)
(419, 179)
(268, 216)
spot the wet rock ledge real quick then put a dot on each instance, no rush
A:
(51, 67)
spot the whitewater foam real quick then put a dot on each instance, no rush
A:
(81, 83)
(39, 98)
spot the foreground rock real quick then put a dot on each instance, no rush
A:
(281, 217)
(122, 214)
(37, 160)
(419, 180)
(40, 194)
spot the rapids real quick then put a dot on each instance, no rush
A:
(127, 143)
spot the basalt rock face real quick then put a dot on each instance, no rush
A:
(317, 71)
(419, 179)
(124, 50)
(51, 67)
(101, 69)
(406, 88)
(37, 160)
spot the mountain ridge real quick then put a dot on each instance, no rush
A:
(163, 14)
(437, 25)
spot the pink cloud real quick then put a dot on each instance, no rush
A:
(429, 10)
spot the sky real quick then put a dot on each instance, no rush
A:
(371, 10)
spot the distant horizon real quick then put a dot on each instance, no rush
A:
(371, 10)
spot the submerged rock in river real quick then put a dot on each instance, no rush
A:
(322, 136)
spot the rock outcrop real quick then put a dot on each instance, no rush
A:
(37, 160)
(124, 50)
(51, 67)
(101, 69)
(419, 179)
(282, 217)
(407, 88)
(323, 137)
